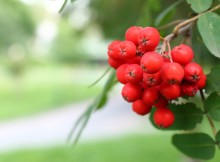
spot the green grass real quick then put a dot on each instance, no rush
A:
(43, 88)
(135, 148)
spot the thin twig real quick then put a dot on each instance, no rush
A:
(170, 24)
(179, 26)
(171, 36)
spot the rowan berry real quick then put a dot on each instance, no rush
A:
(126, 49)
(193, 72)
(140, 108)
(189, 89)
(152, 79)
(114, 63)
(149, 96)
(133, 73)
(161, 102)
(163, 117)
(172, 73)
(131, 92)
(120, 73)
(182, 54)
(151, 62)
(113, 50)
(170, 91)
(148, 38)
(202, 81)
(131, 34)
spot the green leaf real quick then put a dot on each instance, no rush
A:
(212, 106)
(208, 25)
(165, 14)
(213, 80)
(63, 6)
(100, 78)
(218, 137)
(200, 5)
(186, 116)
(195, 145)
(102, 98)
(98, 103)
(102, 101)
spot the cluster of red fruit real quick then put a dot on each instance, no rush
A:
(151, 78)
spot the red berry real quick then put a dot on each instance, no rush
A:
(193, 72)
(149, 96)
(113, 50)
(131, 34)
(163, 117)
(140, 51)
(149, 38)
(127, 50)
(120, 73)
(152, 79)
(202, 81)
(172, 73)
(189, 89)
(134, 73)
(140, 108)
(170, 91)
(182, 54)
(151, 62)
(131, 92)
(113, 63)
(161, 102)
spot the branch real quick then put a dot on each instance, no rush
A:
(177, 28)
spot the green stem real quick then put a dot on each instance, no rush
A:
(211, 123)
(176, 29)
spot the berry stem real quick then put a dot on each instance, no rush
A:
(211, 123)
(170, 37)
(179, 26)
(169, 51)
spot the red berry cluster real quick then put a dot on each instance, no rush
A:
(151, 78)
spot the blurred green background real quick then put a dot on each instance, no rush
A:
(48, 60)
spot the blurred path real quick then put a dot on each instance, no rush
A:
(51, 128)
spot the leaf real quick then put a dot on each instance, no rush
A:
(98, 103)
(186, 116)
(213, 80)
(218, 137)
(102, 98)
(63, 6)
(200, 5)
(208, 25)
(195, 145)
(166, 13)
(212, 106)
(100, 78)
(102, 101)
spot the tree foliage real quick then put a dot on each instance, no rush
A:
(16, 23)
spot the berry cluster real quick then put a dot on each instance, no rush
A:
(151, 78)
